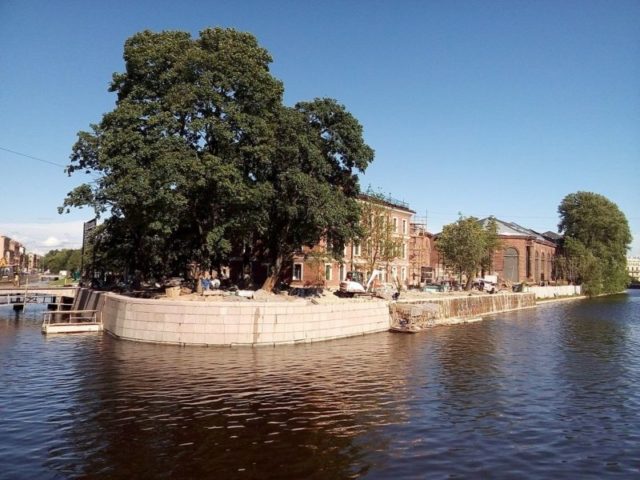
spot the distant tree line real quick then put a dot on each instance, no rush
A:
(200, 160)
(65, 259)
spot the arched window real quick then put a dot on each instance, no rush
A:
(536, 274)
(511, 272)
(543, 268)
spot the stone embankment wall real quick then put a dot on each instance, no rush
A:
(254, 323)
(239, 323)
(554, 292)
(446, 310)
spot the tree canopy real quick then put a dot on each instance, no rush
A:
(65, 259)
(467, 245)
(200, 158)
(596, 239)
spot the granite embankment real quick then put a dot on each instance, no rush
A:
(197, 320)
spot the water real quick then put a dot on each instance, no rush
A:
(552, 392)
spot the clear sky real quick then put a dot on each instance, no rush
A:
(474, 107)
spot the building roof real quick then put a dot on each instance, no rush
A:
(387, 201)
(553, 236)
(511, 229)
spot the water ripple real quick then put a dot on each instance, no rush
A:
(552, 392)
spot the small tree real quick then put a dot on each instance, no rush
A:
(468, 246)
(379, 243)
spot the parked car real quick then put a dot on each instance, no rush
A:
(485, 285)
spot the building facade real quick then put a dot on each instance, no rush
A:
(524, 256)
(312, 267)
(15, 259)
(633, 268)
(421, 251)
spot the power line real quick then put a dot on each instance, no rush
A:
(33, 158)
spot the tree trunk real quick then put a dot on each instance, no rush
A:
(272, 280)
(469, 283)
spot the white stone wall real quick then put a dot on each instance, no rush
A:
(239, 323)
(552, 292)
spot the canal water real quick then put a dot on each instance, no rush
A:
(552, 392)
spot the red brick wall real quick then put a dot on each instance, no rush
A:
(521, 244)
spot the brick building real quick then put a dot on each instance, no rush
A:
(421, 250)
(14, 257)
(525, 254)
(310, 267)
(12, 252)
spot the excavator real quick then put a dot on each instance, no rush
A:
(354, 283)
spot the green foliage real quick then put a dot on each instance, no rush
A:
(200, 157)
(467, 245)
(311, 181)
(596, 239)
(65, 259)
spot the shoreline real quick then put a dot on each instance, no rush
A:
(282, 321)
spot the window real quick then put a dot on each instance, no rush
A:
(404, 227)
(342, 272)
(403, 273)
(297, 271)
(394, 273)
(404, 251)
(356, 249)
(395, 225)
(327, 271)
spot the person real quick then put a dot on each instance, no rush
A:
(206, 282)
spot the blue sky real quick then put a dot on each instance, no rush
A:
(472, 107)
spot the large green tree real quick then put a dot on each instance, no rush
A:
(596, 239)
(200, 158)
(467, 245)
(312, 181)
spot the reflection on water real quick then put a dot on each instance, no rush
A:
(551, 392)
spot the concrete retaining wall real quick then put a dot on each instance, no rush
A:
(467, 306)
(253, 323)
(239, 323)
(553, 292)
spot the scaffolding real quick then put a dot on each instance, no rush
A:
(420, 270)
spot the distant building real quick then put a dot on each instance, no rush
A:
(34, 262)
(525, 255)
(13, 256)
(421, 270)
(633, 267)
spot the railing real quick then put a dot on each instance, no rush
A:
(72, 317)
